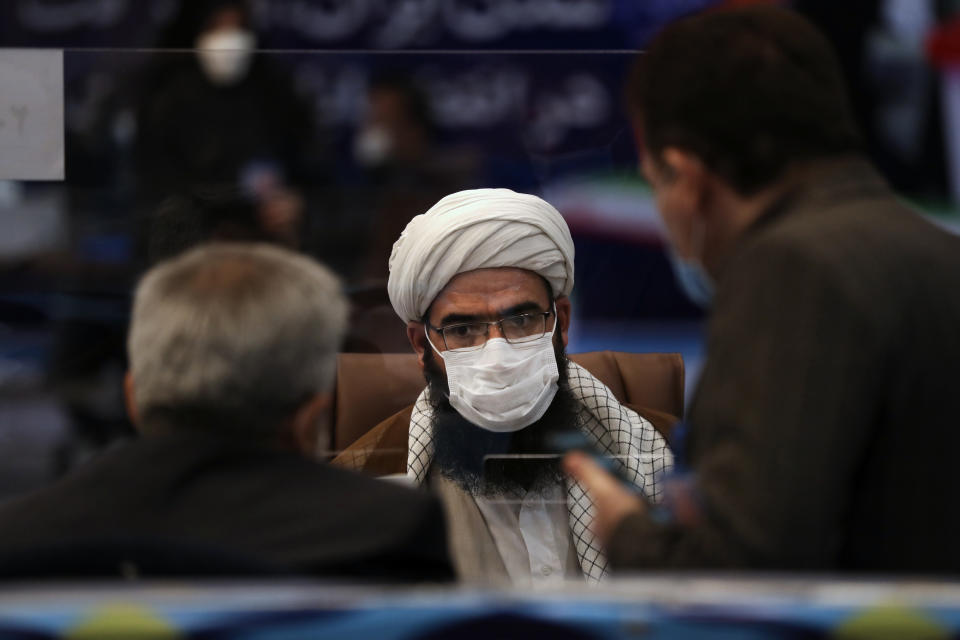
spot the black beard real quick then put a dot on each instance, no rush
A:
(461, 448)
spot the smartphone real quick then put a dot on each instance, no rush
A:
(576, 440)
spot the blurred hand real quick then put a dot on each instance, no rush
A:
(613, 502)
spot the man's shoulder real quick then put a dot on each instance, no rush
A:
(119, 480)
(856, 244)
(87, 497)
(852, 225)
(151, 468)
(280, 507)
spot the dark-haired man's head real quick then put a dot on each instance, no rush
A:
(728, 106)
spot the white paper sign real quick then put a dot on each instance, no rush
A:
(31, 114)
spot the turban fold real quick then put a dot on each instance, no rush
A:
(477, 229)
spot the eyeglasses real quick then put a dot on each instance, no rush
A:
(468, 336)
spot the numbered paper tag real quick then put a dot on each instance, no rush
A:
(31, 114)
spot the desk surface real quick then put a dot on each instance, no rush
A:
(652, 607)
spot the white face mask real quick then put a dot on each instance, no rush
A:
(225, 55)
(372, 146)
(503, 387)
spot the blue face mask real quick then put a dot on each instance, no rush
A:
(694, 280)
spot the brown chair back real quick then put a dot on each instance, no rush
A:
(371, 387)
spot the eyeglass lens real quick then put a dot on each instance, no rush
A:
(520, 328)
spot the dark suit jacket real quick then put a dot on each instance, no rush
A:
(825, 431)
(273, 508)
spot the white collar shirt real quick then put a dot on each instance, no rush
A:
(532, 533)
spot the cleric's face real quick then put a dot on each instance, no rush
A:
(486, 295)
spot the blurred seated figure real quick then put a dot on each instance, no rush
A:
(232, 356)
(225, 116)
(404, 167)
(210, 214)
(200, 215)
(404, 163)
(482, 280)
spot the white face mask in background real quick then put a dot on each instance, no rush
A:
(503, 387)
(693, 279)
(372, 146)
(225, 55)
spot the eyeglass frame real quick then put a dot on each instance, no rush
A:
(499, 323)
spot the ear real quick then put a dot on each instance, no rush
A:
(129, 399)
(563, 316)
(310, 427)
(417, 335)
(689, 176)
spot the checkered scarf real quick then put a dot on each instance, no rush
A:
(612, 427)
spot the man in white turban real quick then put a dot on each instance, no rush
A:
(482, 280)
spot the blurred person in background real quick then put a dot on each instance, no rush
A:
(482, 280)
(232, 353)
(201, 215)
(222, 115)
(822, 435)
(404, 165)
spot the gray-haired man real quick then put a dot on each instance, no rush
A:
(232, 352)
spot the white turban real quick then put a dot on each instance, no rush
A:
(477, 229)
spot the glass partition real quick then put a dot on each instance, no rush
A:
(330, 151)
